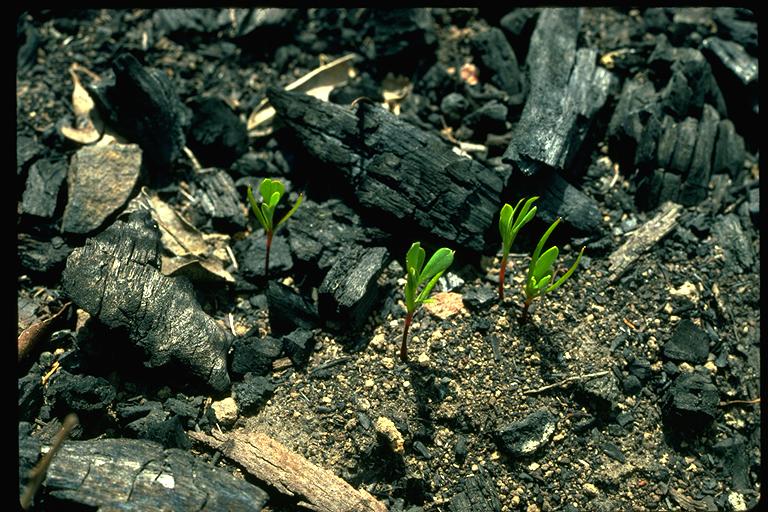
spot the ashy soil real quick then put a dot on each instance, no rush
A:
(593, 369)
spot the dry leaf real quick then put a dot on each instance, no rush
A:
(34, 334)
(88, 125)
(318, 83)
(394, 90)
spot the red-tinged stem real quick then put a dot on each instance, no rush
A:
(524, 315)
(404, 347)
(266, 259)
(502, 272)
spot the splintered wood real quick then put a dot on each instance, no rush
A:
(642, 239)
(290, 473)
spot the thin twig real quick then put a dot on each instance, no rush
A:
(745, 402)
(37, 474)
(567, 381)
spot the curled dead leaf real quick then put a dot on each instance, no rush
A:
(88, 125)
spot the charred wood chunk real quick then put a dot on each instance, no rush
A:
(528, 436)
(288, 310)
(27, 151)
(666, 146)
(626, 124)
(298, 346)
(128, 474)
(691, 403)
(254, 355)
(696, 182)
(142, 105)
(216, 136)
(684, 145)
(251, 251)
(739, 25)
(478, 494)
(43, 184)
(567, 89)
(561, 199)
(41, 256)
(729, 235)
(252, 392)
(399, 173)
(349, 290)
(116, 278)
(100, 182)
(219, 201)
(734, 58)
(729, 151)
(497, 57)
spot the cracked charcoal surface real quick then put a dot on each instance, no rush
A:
(526, 437)
(216, 135)
(397, 171)
(137, 475)
(44, 180)
(566, 91)
(288, 310)
(116, 278)
(218, 200)
(251, 251)
(350, 289)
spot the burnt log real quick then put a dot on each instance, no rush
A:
(496, 56)
(116, 278)
(127, 474)
(288, 310)
(400, 175)
(567, 89)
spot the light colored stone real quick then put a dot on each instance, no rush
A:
(225, 411)
(445, 305)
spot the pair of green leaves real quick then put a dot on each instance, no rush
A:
(509, 225)
(541, 270)
(271, 192)
(419, 274)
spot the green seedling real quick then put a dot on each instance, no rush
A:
(509, 226)
(541, 271)
(271, 191)
(420, 275)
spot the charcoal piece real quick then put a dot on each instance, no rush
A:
(28, 40)
(188, 409)
(100, 182)
(640, 368)
(695, 186)
(399, 35)
(252, 392)
(527, 436)
(497, 59)
(40, 256)
(667, 141)
(320, 233)
(667, 60)
(631, 385)
(460, 449)
(567, 89)
(299, 346)
(350, 289)
(116, 278)
(400, 174)
(157, 426)
(288, 310)
(421, 449)
(129, 412)
(479, 298)
(738, 25)
(519, 23)
(42, 191)
(684, 145)
(128, 474)
(185, 21)
(489, 118)
(734, 461)
(729, 151)
(254, 355)
(729, 235)
(601, 395)
(254, 164)
(675, 97)
(688, 343)
(734, 58)
(251, 251)
(142, 105)
(30, 397)
(690, 403)
(645, 154)
(454, 106)
(219, 201)
(264, 23)
(637, 96)
(78, 393)
(613, 452)
(561, 199)
(754, 205)
(27, 151)
(216, 135)
(656, 19)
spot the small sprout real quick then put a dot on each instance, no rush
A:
(418, 275)
(541, 271)
(509, 226)
(271, 191)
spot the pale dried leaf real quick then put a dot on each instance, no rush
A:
(88, 125)
(197, 268)
(317, 83)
